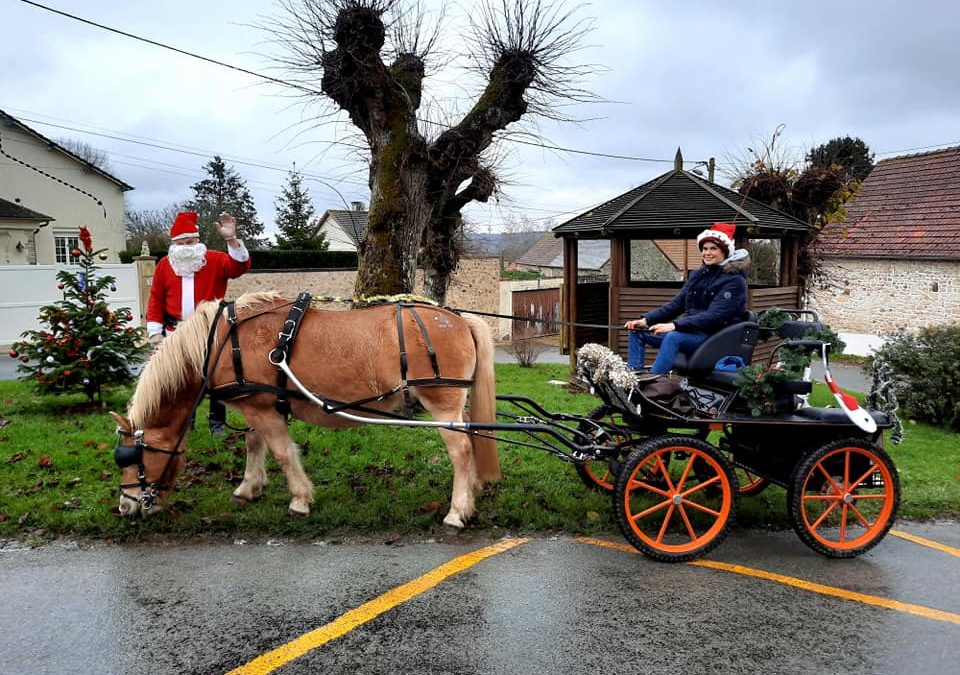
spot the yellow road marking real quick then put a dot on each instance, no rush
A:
(272, 660)
(896, 605)
(926, 542)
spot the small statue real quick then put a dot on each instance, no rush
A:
(144, 249)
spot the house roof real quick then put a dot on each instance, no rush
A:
(908, 207)
(13, 211)
(678, 204)
(8, 120)
(353, 222)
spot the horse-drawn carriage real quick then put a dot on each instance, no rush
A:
(676, 457)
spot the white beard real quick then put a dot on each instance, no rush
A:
(187, 260)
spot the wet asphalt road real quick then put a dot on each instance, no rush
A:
(553, 605)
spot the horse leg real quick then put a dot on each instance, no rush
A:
(254, 473)
(274, 430)
(462, 503)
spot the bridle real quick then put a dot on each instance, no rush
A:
(127, 455)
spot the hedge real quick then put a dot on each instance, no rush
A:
(282, 259)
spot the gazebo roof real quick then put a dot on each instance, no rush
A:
(678, 205)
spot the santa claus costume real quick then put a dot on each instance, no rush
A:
(178, 288)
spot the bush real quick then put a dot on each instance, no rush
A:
(927, 370)
(518, 275)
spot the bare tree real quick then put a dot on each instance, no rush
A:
(86, 152)
(371, 58)
(151, 226)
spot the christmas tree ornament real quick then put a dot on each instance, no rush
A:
(49, 359)
(67, 373)
(60, 286)
(25, 359)
(13, 353)
(99, 320)
(113, 288)
(103, 256)
(86, 380)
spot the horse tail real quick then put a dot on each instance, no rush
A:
(483, 404)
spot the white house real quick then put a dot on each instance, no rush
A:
(344, 229)
(47, 193)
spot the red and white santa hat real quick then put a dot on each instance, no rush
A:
(720, 234)
(185, 226)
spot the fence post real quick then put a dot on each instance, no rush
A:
(146, 266)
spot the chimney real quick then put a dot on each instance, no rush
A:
(356, 206)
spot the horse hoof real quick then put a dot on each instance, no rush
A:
(240, 500)
(453, 524)
(299, 514)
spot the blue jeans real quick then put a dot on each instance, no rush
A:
(668, 343)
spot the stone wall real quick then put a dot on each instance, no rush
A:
(475, 285)
(878, 296)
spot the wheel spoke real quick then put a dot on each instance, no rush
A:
(705, 509)
(820, 498)
(652, 509)
(700, 486)
(686, 473)
(666, 523)
(843, 522)
(866, 474)
(635, 484)
(863, 521)
(823, 516)
(833, 483)
(846, 471)
(686, 521)
(664, 472)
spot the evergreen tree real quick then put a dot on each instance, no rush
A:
(84, 345)
(225, 191)
(851, 154)
(296, 225)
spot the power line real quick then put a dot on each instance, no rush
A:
(310, 90)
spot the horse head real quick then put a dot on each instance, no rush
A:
(150, 460)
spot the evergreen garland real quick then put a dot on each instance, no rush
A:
(84, 345)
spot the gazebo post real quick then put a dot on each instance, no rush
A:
(570, 266)
(619, 274)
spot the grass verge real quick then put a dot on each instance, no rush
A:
(57, 476)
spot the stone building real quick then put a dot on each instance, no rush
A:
(895, 260)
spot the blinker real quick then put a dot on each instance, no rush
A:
(127, 455)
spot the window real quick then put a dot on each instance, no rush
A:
(63, 244)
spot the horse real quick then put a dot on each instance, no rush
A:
(383, 356)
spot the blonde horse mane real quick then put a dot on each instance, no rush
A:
(180, 357)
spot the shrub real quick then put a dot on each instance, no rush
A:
(524, 349)
(927, 370)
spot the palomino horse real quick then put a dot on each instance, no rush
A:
(343, 356)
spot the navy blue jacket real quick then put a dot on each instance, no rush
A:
(712, 298)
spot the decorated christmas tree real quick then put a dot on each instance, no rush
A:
(83, 344)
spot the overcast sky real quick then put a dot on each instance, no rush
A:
(711, 78)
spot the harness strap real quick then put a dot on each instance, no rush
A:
(426, 340)
(285, 342)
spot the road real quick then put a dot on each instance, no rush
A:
(550, 604)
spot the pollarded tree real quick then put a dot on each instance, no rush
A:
(371, 58)
(225, 191)
(297, 227)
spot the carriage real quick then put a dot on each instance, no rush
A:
(675, 454)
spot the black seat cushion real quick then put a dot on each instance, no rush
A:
(738, 339)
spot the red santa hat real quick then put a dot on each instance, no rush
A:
(185, 226)
(720, 234)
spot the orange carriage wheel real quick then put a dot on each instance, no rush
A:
(596, 473)
(843, 497)
(749, 484)
(675, 498)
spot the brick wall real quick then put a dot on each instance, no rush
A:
(474, 286)
(879, 296)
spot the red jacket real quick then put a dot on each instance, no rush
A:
(169, 292)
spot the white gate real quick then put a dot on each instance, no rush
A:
(24, 289)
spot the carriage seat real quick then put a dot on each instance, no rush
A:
(795, 330)
(737, 339)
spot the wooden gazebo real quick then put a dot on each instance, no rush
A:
(677, 205)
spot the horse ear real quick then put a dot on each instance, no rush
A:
(122, 422)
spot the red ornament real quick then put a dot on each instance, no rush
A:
(25, 359)
(67, 373)
(60, 286)
(75, 253)
(13, 353)
(118, 328)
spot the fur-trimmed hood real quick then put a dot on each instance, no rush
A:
(737, 262)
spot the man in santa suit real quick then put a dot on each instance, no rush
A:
(189, 275)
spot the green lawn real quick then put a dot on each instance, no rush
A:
(57, 476)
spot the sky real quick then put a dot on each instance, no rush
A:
(710, 78)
